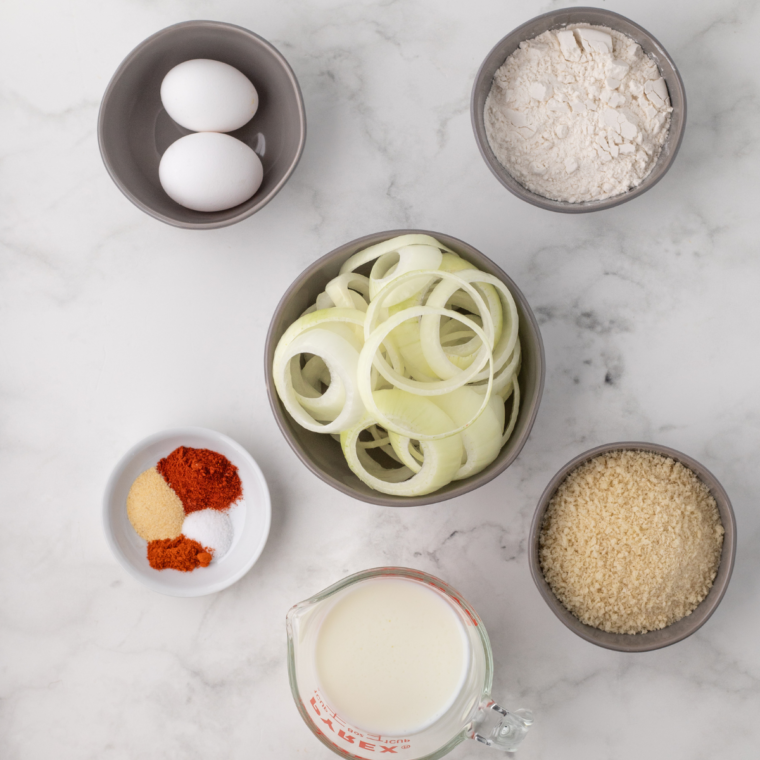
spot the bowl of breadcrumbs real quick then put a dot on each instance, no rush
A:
(632, 545)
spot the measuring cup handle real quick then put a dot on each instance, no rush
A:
(497, 728)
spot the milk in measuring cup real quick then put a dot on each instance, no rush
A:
(391, 656)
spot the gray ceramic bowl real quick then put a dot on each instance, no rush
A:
(556, 20)
(321, 454)
(134, 130)
(678, 631)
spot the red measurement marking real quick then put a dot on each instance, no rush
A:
(349, 738)
(470, 617)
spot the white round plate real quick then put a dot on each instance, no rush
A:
(251, 516)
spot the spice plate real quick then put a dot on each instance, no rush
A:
(250, 516)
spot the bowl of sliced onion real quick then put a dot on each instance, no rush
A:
(405, 368)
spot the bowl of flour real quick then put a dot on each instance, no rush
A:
(578, 110)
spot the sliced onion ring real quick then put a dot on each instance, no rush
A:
(367, 356)
(442, 457)
(341, 359)
(388, 246)
(515, 412)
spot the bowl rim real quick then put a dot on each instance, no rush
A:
(386, 500)
(565, 207)
(127, 62)
(624, 642)
(137, 448)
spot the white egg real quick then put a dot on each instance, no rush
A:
(208, 96)
(209, 171)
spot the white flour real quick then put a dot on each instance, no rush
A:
(578, 114)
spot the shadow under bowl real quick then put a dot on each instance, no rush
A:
(134, 130)
(681, 629)
(557, 20)
(321, 454)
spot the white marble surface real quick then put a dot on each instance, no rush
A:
(114, 326)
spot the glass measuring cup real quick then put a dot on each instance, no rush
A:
(472, 715)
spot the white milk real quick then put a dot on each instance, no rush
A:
(391, 656)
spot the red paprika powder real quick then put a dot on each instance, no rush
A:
(201, 478)
(179, 553)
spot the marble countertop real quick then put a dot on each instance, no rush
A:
(115, 326)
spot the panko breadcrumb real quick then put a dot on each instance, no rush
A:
(631, 542)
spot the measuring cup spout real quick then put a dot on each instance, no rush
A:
(297, 616)
(497, 728)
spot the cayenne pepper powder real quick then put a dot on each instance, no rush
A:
(201, 478)
(179, 553)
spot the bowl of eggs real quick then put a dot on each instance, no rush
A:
(202, 124)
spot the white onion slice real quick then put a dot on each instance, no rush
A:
(368, 355)
(482, 439)
(324, 407)
(301, 383)
(314, 372)
(453, 262)
(391, 266)
(378, 444)
(377, 312)
(349, 291)
(429, 360)
(502, 382)
(406, 338)
(442, 457)
(341, 359)
(515, 412)
(324, 302)
(327, 318)
(402, 446)
(388, 246)
(382, 474)
(511, 325)
(506, 332)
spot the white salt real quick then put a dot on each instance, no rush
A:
(210, 528)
